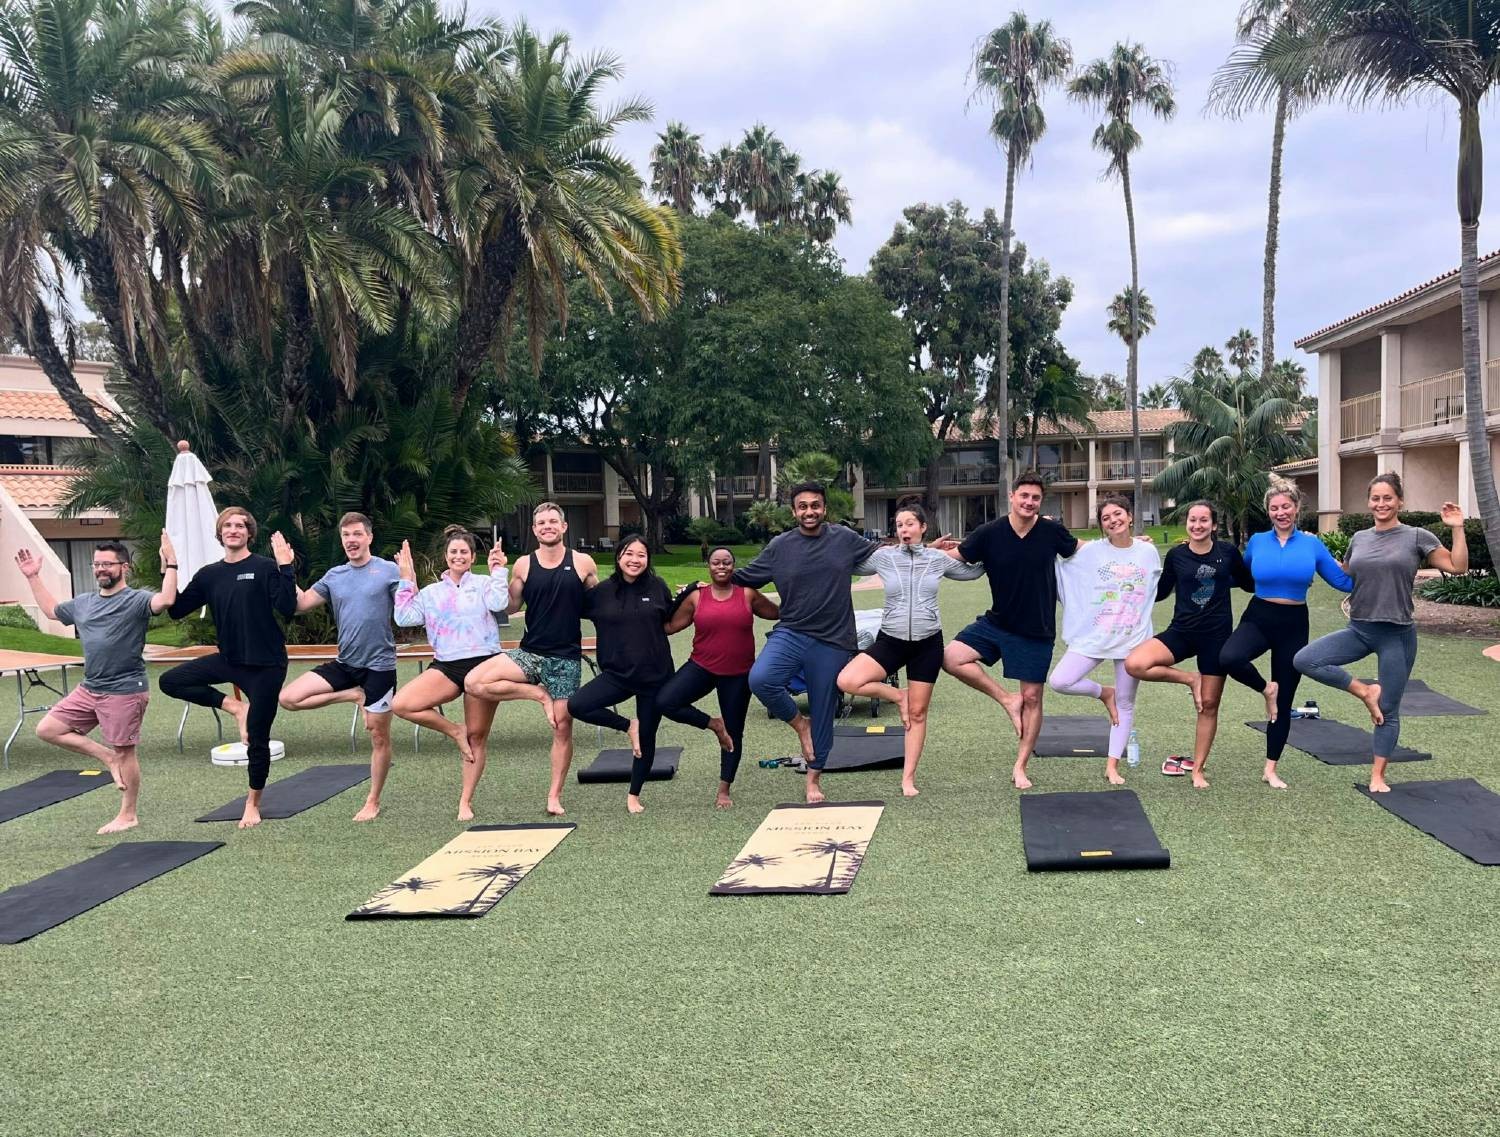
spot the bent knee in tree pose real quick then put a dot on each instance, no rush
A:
(111, 627)
(1383, 562)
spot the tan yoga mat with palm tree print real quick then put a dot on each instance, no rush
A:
(468, 876)
(803, 848)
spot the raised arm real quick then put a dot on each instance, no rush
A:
(1330, 570)
(31, 568)
(408, 601)
(283, 586)
(1457, 559)
(308, 599)
(162, 600)
(497, 591)
(189, 599)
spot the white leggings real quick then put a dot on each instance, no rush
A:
(1070, 677)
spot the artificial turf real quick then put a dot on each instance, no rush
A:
(1308, 965)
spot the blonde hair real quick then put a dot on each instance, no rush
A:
(233, 511)
(546, 507)
(1281, 487)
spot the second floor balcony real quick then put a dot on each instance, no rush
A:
(568, 482)
(1434, 400)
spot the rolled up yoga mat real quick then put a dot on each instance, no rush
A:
(1461, 813)
(289, 796)
(49, 789)
(614, 766)
(1073, 736)
(1421, 701)
(1107, 829)
(468, 876)
(1338, 743)
(866, 748)
(815, 849)
(56, 898)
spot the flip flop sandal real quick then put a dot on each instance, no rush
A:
(1172, 768)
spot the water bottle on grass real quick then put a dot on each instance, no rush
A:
(1133, 749)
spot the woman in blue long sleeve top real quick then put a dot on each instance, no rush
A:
(1283, 561)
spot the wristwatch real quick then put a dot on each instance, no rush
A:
(165, 567)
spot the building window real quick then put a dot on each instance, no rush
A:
(20, 451)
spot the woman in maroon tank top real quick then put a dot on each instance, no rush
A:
(723, 618)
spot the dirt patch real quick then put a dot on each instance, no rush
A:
(1456, 619)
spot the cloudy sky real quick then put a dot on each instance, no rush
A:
(876, 89)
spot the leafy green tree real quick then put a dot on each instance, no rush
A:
(1157, 396)
(1107, 392)
(1118, 84)
(770, 517)
(814, 466)
(1060, 398)
(1013, 66)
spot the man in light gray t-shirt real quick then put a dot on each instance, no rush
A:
(112, 630)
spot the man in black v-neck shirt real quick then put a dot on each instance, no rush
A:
(1019, 552)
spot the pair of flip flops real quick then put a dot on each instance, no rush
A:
(799, 764)
(1176, 766)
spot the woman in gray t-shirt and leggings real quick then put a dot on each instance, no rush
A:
(1383, 562)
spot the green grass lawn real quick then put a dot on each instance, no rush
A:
(1309, 965)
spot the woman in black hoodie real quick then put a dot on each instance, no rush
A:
(630, 611)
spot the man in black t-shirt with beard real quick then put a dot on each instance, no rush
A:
(1019, 552)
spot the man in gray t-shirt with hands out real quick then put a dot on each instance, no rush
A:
(111, 627)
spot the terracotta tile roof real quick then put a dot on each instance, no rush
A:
(38, 487)
(1105, 422)
(43, 406)
(1435, 282)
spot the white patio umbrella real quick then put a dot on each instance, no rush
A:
(191, 514)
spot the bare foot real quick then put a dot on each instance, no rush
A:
(721, 732)
(251, 817)
(119, 825)
(1018, 776)
(461, 739)
(368, 812)
(1379, 786)
(814, 791)
(723, 801)
(1270, 778)
(465, 811)
(1199, 781)
(548, 710)
(1112, 773)
(804, 734)
(1012, 705)
(633, 803)
(1371, 700)
(239, 710)
(1107, 697)
(1195, 685)
(903, 699)
(909, 788)
(114, 772)
(635, 739)
(1271, 691)
(554, 806)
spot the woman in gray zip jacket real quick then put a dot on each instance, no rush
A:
(911, 631)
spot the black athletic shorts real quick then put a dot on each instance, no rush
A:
(1206, 646)
(923, 659)
(457, 670)
(379, 686)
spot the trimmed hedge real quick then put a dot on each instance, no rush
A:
(1479, 549)
(1337, 543)
(14, 616)
(1352, 523)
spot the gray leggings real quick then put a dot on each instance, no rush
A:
(1395, 649)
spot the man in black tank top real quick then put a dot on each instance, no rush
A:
(550, 584)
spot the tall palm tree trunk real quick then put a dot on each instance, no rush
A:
(1002, 358)
(1132, 359)
(1273, 226)
(1470, 200)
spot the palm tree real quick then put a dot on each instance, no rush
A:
(1156, 396)
(552, 197)
(1389, 51)
(824, 204)
(1120, 82)
(1121, 320)
(1013, 66)
(678, 166)
(754, 860)
(1261, 21)
(1060, 398)
(765, 175)
(1232, 436)
(719, 183)
(508, 876)
(1241, 349)
(832, 849)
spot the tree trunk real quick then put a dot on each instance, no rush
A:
(43, 348)
(1135, 327)
(1273, 226)
(99, 267)
(1470, 200)
(296, 347)
(763, 485)
(1002, 355)
(489, 287)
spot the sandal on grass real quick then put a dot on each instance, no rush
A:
(1173, 768)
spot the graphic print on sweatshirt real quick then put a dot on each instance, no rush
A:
(1120, 596)
(1205, 590)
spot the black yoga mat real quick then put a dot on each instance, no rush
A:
(56, 898)
(614, 766)
(1421, 701)
(1107, 829)
(303, 790)
(866, 748)
(49, 789)
(1461, 813)
(1338, 743)
(1073, 736)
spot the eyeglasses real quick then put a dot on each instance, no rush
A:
(109, 564)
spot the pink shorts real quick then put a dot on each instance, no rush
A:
(118, 717)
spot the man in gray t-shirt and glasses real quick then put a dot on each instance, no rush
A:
(111, 627)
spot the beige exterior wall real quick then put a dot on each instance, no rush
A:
(1359, 369)
(1430, 476)
(1431, 346)
(1357, 472)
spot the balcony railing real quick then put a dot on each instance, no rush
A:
(1433, 401)
(1125, 471)
(948, 476)
(1492, 386)
(1359, 417)
(741, 485)
(563, 482)
(1065, 472)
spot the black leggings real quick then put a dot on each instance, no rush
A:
(193, 682)
(1280, 629)
(691, 683)
(591, 703)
